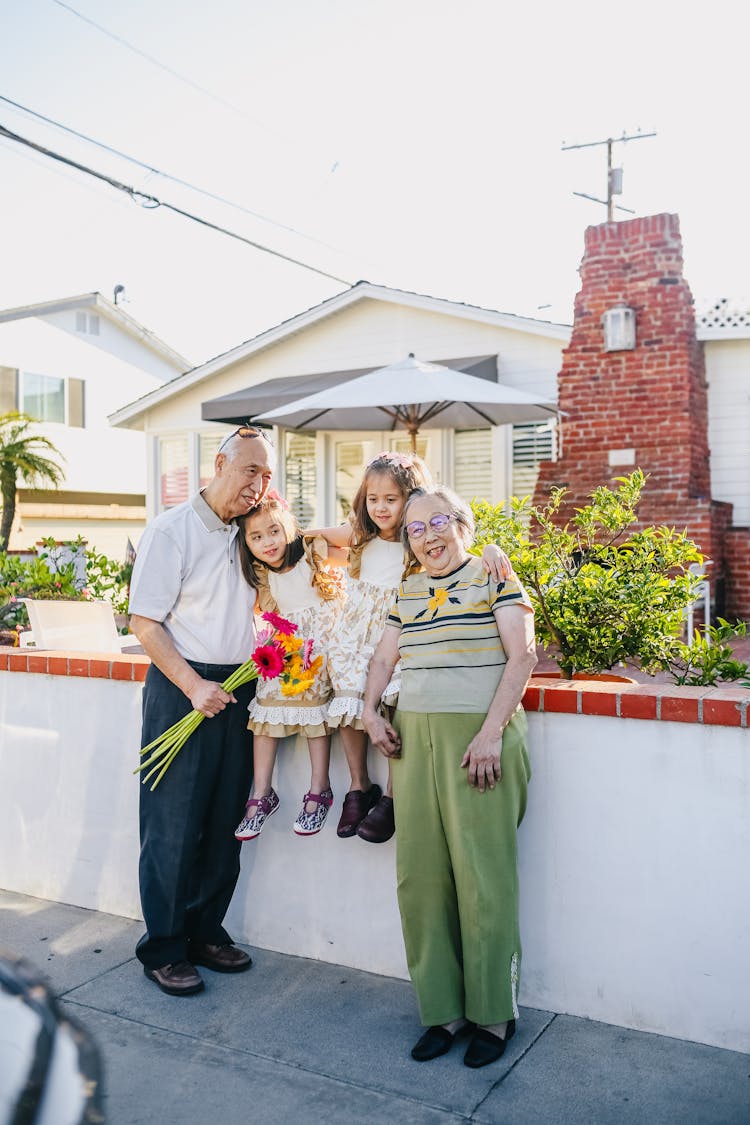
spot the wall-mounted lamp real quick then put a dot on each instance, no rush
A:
(619, 329)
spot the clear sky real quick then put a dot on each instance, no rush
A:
(419, 140)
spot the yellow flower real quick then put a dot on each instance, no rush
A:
(290, 644)
(297, 686)
(438, 598)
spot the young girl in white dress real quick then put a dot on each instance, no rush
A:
(378, 562)
(289, 573)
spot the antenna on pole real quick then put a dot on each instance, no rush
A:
(614, 175)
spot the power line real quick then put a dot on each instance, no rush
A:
(166, 175)
(151, 201)
(163, 66)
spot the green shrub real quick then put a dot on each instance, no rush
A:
(709, 659)
(603, 593)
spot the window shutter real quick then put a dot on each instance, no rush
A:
(173, 471)
(533, 442)
(93, 325)
(472, 468)
(76, 412)
(301, 477)
(8, 389)
(81, 323)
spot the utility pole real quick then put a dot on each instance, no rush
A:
(614, 175)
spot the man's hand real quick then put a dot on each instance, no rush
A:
(209, 698)
(482, 759)
(382, 735)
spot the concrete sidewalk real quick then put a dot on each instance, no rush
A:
(296, 1041)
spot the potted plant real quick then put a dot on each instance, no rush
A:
(604, 593)
(63, 610)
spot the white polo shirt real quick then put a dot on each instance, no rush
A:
(187, 576)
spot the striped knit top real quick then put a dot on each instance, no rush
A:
(452, 658)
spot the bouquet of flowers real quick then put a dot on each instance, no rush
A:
(279, 654)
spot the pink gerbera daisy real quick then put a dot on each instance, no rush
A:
(269, 660)
(307, 651)
(280, 624)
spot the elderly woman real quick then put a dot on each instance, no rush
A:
(460, 774)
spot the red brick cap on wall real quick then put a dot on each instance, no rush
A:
(713, 706)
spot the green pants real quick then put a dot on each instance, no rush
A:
(456, 868)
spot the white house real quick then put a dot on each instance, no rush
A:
(70, 363)
(369, 326)
(365, 327)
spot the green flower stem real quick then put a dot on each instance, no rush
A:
(166, 747)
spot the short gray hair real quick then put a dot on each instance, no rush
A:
(455, 507)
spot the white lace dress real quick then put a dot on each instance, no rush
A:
(294, 597)
(375, 574)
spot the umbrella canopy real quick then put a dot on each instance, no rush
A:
(415, 396)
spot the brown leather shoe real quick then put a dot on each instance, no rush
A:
(379, 824)
(181, 979)
(226, 958)
(357, 804)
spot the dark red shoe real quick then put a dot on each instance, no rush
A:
(379, 824)
(356, 807)
(225, 958)
(180, 979)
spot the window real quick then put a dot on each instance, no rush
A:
(301, 477)
(88, 324)
(208, 445)
(43, 397)
(533, 442)
(47, 398)
(173, 471)
(472, 467)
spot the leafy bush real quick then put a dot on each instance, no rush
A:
(603, 593)
(709, 659)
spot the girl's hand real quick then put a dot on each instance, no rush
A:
(482, 759)
(382, 735)
(496, 563)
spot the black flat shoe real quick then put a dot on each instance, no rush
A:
(485, 1047)
(435, 1042)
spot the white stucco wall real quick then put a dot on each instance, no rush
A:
(635, 905)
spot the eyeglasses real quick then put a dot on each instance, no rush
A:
(246, 431)
(416, 529)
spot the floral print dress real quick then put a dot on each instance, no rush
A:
(376, 570)
(295, 596)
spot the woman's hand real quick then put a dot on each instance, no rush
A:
(482, 759)
(382, 735)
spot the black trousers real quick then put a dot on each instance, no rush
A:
(190, 860)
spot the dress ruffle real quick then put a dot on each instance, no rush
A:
(280, 722)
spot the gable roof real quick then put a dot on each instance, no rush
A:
(363, 290)
(106, 308)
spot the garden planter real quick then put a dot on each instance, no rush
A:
(77, 626)
(602, 677)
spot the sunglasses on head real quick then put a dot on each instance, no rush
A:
(416, 529)
(245, 431)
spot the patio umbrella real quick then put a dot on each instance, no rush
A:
(414, 395)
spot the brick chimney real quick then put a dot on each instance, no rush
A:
(643, 408)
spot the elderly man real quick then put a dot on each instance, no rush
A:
(192, 611)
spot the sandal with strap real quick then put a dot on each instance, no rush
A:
(308, 823)
(257, 812)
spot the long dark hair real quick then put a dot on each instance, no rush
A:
(274, 506)
(406, 470)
